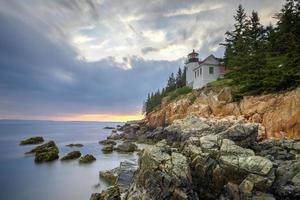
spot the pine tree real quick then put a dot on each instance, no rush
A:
(284, 47)
(171, 83)
(253, 70)
(236, 45)
(184, 77)
(179, 78)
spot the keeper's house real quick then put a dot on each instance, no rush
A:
(199, 73)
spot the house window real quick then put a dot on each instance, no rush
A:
(195, 74)
(211, 70)
(200, 71)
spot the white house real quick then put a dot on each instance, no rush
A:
(199, 73)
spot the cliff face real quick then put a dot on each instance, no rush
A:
(278, 114)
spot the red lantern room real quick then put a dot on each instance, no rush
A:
(193, 57)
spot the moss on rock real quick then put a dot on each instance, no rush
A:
(46, 152)
(72, 155)
(88, 158)
(32, 140)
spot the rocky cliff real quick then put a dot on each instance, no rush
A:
(277, 114)
(199, 158)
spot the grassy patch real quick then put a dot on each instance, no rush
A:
(221, 83)
(180, 91)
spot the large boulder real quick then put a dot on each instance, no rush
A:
(32, 140)
(112, 193)
(46, 152)
(287, 182)
(162, 174)
(126, 147)
(110, 176)
(72, 155)
(216, 162)
(121, 176)
(244, 134)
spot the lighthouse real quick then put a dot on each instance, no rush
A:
(191, 63)
(199, 73)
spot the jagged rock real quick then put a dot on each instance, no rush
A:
(109, 176)
(278, 113)
(74, 145)
(216, 162)
(46, 156)
(111, 193)
(121, 176)
(108, 148)
(32, 140)
(286, 185)
(107, 142)
(88, 158)
(251, 164)
(278, 150)
(244, 134)
(214, 159)
(125, 174)
(162, 174)
(189, 125)
(115, 136)
(126, 147)
(46, 152)
(228, 147)
(256, 182)
(72, 155)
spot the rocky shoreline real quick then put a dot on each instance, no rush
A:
(201, 158)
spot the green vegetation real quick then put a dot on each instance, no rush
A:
(180, 91)
(175, 87)
(259, 59)
(221, 83)
(264, 59)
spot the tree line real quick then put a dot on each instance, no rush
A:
(154, 99)
(264, 59)
(260, 59)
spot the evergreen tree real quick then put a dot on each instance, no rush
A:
(284, 42)
(171, 83)
(236, 47)
(252, 70)
(184, 77)
(179, 78)
(235, 41)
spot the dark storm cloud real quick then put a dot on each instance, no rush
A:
(39, 77)
(126, 48)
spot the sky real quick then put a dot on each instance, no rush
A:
(96, 60)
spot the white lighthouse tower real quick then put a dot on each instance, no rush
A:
(191, 63)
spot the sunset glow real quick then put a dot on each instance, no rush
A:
(98, 117)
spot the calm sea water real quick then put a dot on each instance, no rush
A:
(21, 178)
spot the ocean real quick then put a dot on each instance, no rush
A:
(22, 178)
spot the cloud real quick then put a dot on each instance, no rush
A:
(97, 57)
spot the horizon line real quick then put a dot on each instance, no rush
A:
(49, 120)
